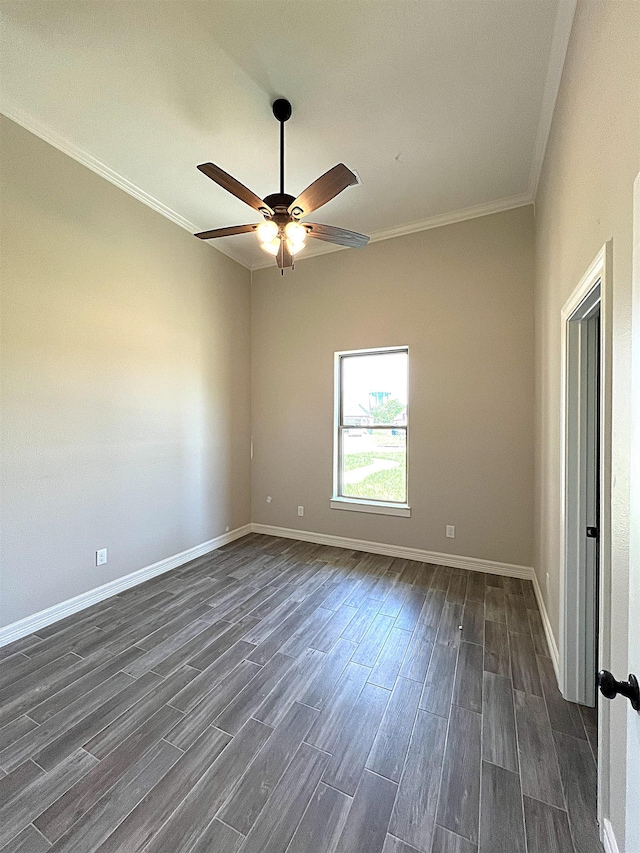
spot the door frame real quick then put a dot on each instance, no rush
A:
(594, 286)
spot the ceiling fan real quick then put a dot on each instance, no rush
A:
(281, 233)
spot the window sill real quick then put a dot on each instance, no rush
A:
(376, 507)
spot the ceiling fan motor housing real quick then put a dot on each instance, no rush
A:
(280, 203)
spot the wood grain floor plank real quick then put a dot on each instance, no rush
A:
(467, 691)
(78, 734)
(578, 774)
(438, 685)
(538, 763)
(205, 681)
(445, 841)
(218, 838)
(476, 587)
(524, 667)
(499, 744)
(41, 685)
(14, 783)
(459, 803)
(326, 679)
(414, 812)
(28, 841)
(249, 699)
(322, 823)
(301, 678)
(278, 820)
(395, 845)
(81, 687)
(389, 750)
(411, 609)
(244, 806)
(15, 730)
(225, 642)
(387, 667)
(95, 825)
(473, 621)
(457, 591)
(353, 742)
(537, 632)
(183, 827)
(517, 617)
(43, 791)
(31, 743)
(325, 639)
(365, 830)
(374, 639)
(502, 824)
(495, 607)
(312, 626)
(116, 732)
(497, 656)
(417, 658)
(394, 602)
(190, 726)
(450, 628)
(145, 817)
(547, 828)
(337, 708)
(564, 716)
(84, 794)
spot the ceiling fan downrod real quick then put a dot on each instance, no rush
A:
(282, 111)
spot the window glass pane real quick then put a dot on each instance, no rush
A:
(374, 389)
(374, 464)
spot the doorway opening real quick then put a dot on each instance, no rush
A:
(586, 504)
(582, 509)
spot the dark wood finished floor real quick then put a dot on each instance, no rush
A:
(281, 696)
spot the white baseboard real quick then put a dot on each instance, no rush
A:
(551, 640)
(31, 624)
(473, 564)
(608, 837)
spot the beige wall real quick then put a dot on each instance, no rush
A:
(125, 382)
(584, 199)
(461, 297)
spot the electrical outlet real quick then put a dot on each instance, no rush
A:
(226, 530)
(451, 531)
(101, 557)
(268, 499)
(300, 510)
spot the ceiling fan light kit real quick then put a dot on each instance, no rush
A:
(281, 234)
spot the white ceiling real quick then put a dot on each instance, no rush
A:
(441, 106)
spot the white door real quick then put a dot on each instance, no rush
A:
(633, 718)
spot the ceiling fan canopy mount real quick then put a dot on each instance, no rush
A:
(281, 234)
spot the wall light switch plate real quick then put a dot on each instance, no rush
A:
(451, 531)
(300, 510)
(101, 557)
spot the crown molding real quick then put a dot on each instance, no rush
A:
(44, 132)
(438, 221)
(557, 55)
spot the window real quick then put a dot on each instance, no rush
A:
(370, 459)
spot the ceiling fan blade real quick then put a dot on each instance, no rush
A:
(225, 232)
(322, 190)
(234, 187)
(339, 236)
(284, 256)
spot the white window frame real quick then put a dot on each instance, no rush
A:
(339, 501)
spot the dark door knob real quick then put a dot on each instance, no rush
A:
(610, 688)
